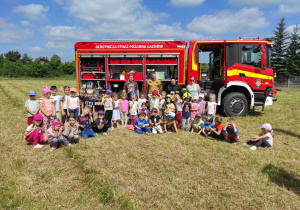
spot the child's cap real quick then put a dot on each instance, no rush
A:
(133, 113)
(201, 95)
(209, 119)
(266, 126)
(100, 112)
(109, 91)
(172, 92)
(46, 90)
(198, 115)
(73, 90)
(135, 94)
(155, 92)
(38, 117)
(32, 93)
(172, 114)
(195, 98)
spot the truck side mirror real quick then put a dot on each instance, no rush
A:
(263, 56)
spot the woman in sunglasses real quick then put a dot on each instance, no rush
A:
(193, 88)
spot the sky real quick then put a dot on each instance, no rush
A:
(47, 27)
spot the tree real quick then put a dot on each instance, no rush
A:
(55, 61)
(68, 68)
(1, 60)
(26, 59)
(293, 54)
(12, 56)
(279, 49)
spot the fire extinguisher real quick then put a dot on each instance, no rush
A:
(111, 74)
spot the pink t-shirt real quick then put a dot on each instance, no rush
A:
(49, 132)
(193, 113)
(124, 105)
(47, 105)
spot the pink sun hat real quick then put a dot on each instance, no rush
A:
(46, 90)
(266, 126)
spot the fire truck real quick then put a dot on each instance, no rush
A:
(238, 72)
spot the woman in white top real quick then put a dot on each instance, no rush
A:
(264, 139)
(193, 88)
(73, 103)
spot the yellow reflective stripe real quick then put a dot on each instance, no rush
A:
(236, 72)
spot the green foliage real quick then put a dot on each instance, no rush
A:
(293, 56)
(1, 60)
(26, 59)
(12, 56)
(68, 68)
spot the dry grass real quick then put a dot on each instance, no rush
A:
(125, 170)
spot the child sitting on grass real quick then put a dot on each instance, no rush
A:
(84, 122)
(100, 124)
(197, 124)
(133, 120)
(155, 122)
(32, 106)
(34, 132)
(208, 124)
(141, 125)
(264, 139)
(216, 131)
(71, 129)
(170, 123)
(230, 132)
(56, 138)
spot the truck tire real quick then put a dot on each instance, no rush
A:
(235, 104)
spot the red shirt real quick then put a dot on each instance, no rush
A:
(219, 127)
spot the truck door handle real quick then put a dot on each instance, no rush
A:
(242, 75)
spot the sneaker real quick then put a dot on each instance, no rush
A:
(169, 131)
(70, 145)
(236, 143)
(38, 146)
(105, 134)
(245, 144)
(118, 126)
(253, 148)
(52, 149)
(111, 128)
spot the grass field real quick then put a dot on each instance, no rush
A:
(125, 170)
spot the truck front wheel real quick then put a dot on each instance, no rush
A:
(235, 104)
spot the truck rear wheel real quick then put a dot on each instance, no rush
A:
(235, 104)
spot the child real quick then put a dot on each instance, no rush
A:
(230, 132)
(81, 97)
(195, 108)
(201, 105)
(154, 100)
(133, 120)
(216, 131)
(141, 100)
(71, 129)
(186, 114)
(57, 100)
(47, 108)
(108, 107)
(145, 110)
(162, 104)
(169, 106)
(133, 104)
(34, 132)
(178, 103)
(155, 122)
(100, 124)
(32, 106)
(208, 124)
(63, 104)
(170, 123)
(141, 125)
(172, 95)
(116, 111)
(211, 106)
(264, 139)
(56, 138)
(73, 103)
(124, 109)
(88, 101)
(84, 123)
(197, 124)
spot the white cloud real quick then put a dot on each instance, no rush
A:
(34, 12)
(290, 29)
(11, 33)
(35, 49)
(289, 7)
(66, 33)
(186, 3)
(225, 21)
(59, 45)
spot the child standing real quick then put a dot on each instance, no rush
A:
(141, 124)
(195, 108)
(63, 104)
(73, 103)
(170, 123)
(186, 114)
(197, 124)
(71, 129)
(116, 111)
(230, 132)
(84, 122)
(47, 108)
(133, 104)
(124, 109)
(56, 138)
(145, 110)
(169, 106)
(208, 124)
(88, 101)
(154, 100)
(155, 122)
(81, 97)
(108, 107)
(264, 139)
(211, 106)
(201, 104)
(141, 100)
(100, 124)
(57, 100)
(34, 132)
(133, 120)
(216, 131)
(178, 103)
(32, 106)
(162, 105)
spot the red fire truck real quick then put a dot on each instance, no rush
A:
(238, 72)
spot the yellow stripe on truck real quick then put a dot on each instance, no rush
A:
(236, 72)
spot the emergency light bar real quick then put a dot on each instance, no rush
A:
(139, 40)
(249, 38)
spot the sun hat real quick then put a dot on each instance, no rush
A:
(172, 92)
(100, 112)
(198, 115)
(133, 113)
(46, 90)
(155, 92)
(266, 126)
(195, 97)
(172, 114)
(201, 95)
(32, 93)
(38, 117)
(73, 90)
(109, 91)
(135, 94)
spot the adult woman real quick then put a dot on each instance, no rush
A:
(131, 86)
(193, 88)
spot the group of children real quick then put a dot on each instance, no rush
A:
(77, 113)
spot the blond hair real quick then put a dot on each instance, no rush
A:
(82, 91)
(90, 91)
(87, 108)
(213, 96)
(231, 120)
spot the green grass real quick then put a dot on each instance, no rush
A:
(125, 170)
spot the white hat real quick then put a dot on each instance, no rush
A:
(266, 126)
(172, 114)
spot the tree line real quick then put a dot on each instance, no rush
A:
(13, 64)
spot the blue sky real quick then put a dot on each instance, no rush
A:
(47, 27)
